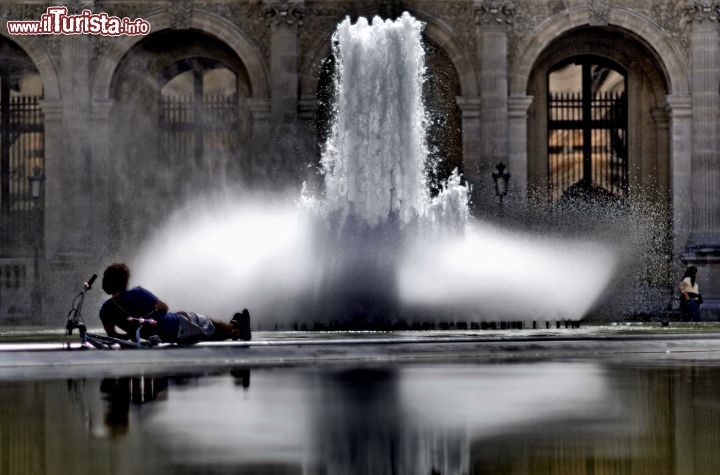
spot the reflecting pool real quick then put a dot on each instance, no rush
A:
(501, 418)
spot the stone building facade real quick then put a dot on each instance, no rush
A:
(113, 107)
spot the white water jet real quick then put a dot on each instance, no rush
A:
(376, 247)
(376, 152)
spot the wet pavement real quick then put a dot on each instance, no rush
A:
(29, 355)
(603, 399)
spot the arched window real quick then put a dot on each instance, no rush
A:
(180, 127)
(587, 128)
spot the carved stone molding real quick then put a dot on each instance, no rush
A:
(52, 44)
(700, 11)
(461, 16)
(494, 12)
(470, 107)
(526, 18)
(22, 12)
(99, 46)
(180, 12)
(259, 108)
(52, 110)
(668, 15)
(599, 12)
(101, 109)
(248, 17)
(284, 12)
(75, 7)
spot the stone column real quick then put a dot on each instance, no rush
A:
(309, 106)
(492, 18)
(77, 130)
(471, 143)
(310, 148)
(517, 148)
(679, 112)
(101, 147)
(260, 113)
(66, 160)
(661, 171)
(54, 217)
(70, 239)
(702, 247)
(690, 247)
(285, 16)
(705, 101)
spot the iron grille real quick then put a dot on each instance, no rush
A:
(587, 143)
(196, 134)
(22, 158)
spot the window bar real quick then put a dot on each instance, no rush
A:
(564, 148)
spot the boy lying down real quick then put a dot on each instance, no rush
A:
(121, 312)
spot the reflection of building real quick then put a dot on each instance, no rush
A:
(119, 393)
(230, 92)
(657, 420)
(670, 421)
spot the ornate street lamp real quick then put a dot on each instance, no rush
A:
(501, 178)
(36, 182)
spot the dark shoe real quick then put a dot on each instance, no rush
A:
(245, 334)
(241, 323)
(235, 323)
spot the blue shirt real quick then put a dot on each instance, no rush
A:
(139, 303)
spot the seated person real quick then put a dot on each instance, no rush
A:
(171, 327)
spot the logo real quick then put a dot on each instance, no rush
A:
(56, 21)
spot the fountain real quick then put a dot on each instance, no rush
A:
(376, 248)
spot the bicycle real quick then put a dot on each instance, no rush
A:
(102, 342)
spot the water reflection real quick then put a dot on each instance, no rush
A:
(119, 393)
(433, 419)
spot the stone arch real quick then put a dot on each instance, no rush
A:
(667, 56)
(172, 145)
(656, 79)
(648, 143)
(202, 21)
(442, 36)
(310, 69)
(41, 58)
(655, 69)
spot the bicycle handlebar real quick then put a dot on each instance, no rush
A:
(142, 321)
(88, 285)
